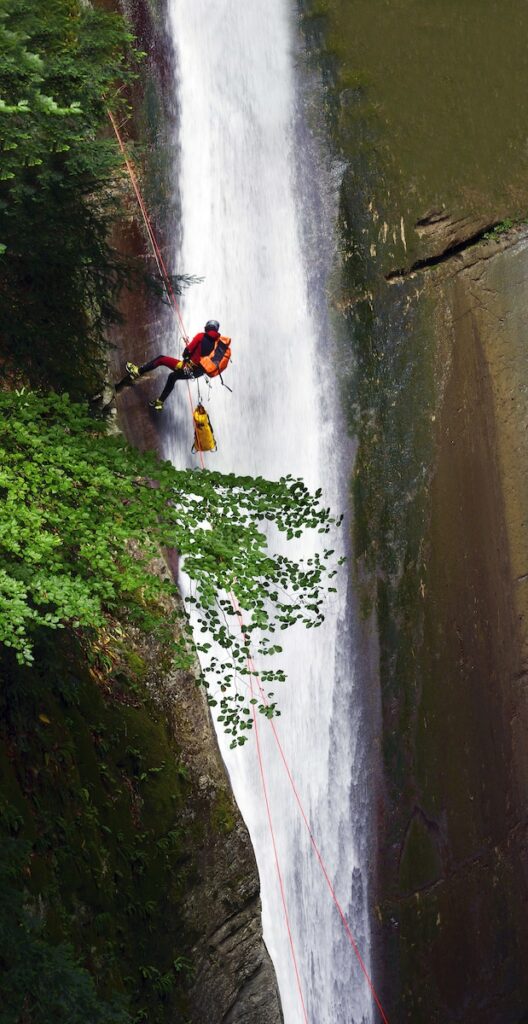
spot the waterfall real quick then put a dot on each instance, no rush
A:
(241, 229)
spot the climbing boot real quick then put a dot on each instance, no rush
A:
(132, 370)
(156, 404)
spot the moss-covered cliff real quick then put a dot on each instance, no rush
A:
(422, 105)
(119, 832)
(96, 795)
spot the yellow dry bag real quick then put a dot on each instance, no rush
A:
(204, 439)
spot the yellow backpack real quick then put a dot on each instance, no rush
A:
(204, 439)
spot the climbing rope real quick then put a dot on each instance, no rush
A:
(324, 869)
(253, 674)
(276, 858)
(163, 272)
(162, 269)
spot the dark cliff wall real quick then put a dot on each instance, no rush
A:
(454, 856)
(422, 108)
(119, 829)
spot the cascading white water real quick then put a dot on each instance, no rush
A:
(241, 231)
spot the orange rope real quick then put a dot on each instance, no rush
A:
(150, 230)
(164, 274)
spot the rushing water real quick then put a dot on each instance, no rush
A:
(240, 191)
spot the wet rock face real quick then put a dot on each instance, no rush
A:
(234, 982)
(425, 109)
(418, 104)
(246, 986)
(454, 855)
(441, 525)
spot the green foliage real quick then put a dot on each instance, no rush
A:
(85, 515)
(41, 982)
(60, 61)
(57, 63)
(503, 228)
(105, 860)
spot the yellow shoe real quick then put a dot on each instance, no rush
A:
(132, 370)
(156, 404)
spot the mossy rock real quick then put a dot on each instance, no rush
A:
(94, 786)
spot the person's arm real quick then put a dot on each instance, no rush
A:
(190, 349)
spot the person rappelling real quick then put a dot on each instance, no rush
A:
(208, 353)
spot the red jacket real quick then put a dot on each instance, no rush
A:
(201, 345)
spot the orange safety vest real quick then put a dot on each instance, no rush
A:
(217, 360)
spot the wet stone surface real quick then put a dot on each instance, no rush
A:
(425, 104)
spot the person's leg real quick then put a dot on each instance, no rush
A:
(169, 384)
(168, 361)
(184, 371)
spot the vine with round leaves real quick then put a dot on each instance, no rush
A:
(85, 515)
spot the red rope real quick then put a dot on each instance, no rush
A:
(164, 274)
(353, 943)
(325, 873)
(172, 298)
(276, 857)
(150, 230)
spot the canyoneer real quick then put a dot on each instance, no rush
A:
(208, 353)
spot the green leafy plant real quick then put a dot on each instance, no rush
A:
(502, 228)
(85, 515)
(41, 981)
(60, 64)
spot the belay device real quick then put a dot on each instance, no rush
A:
(204, 439)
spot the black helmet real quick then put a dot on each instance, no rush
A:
(212, 325)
